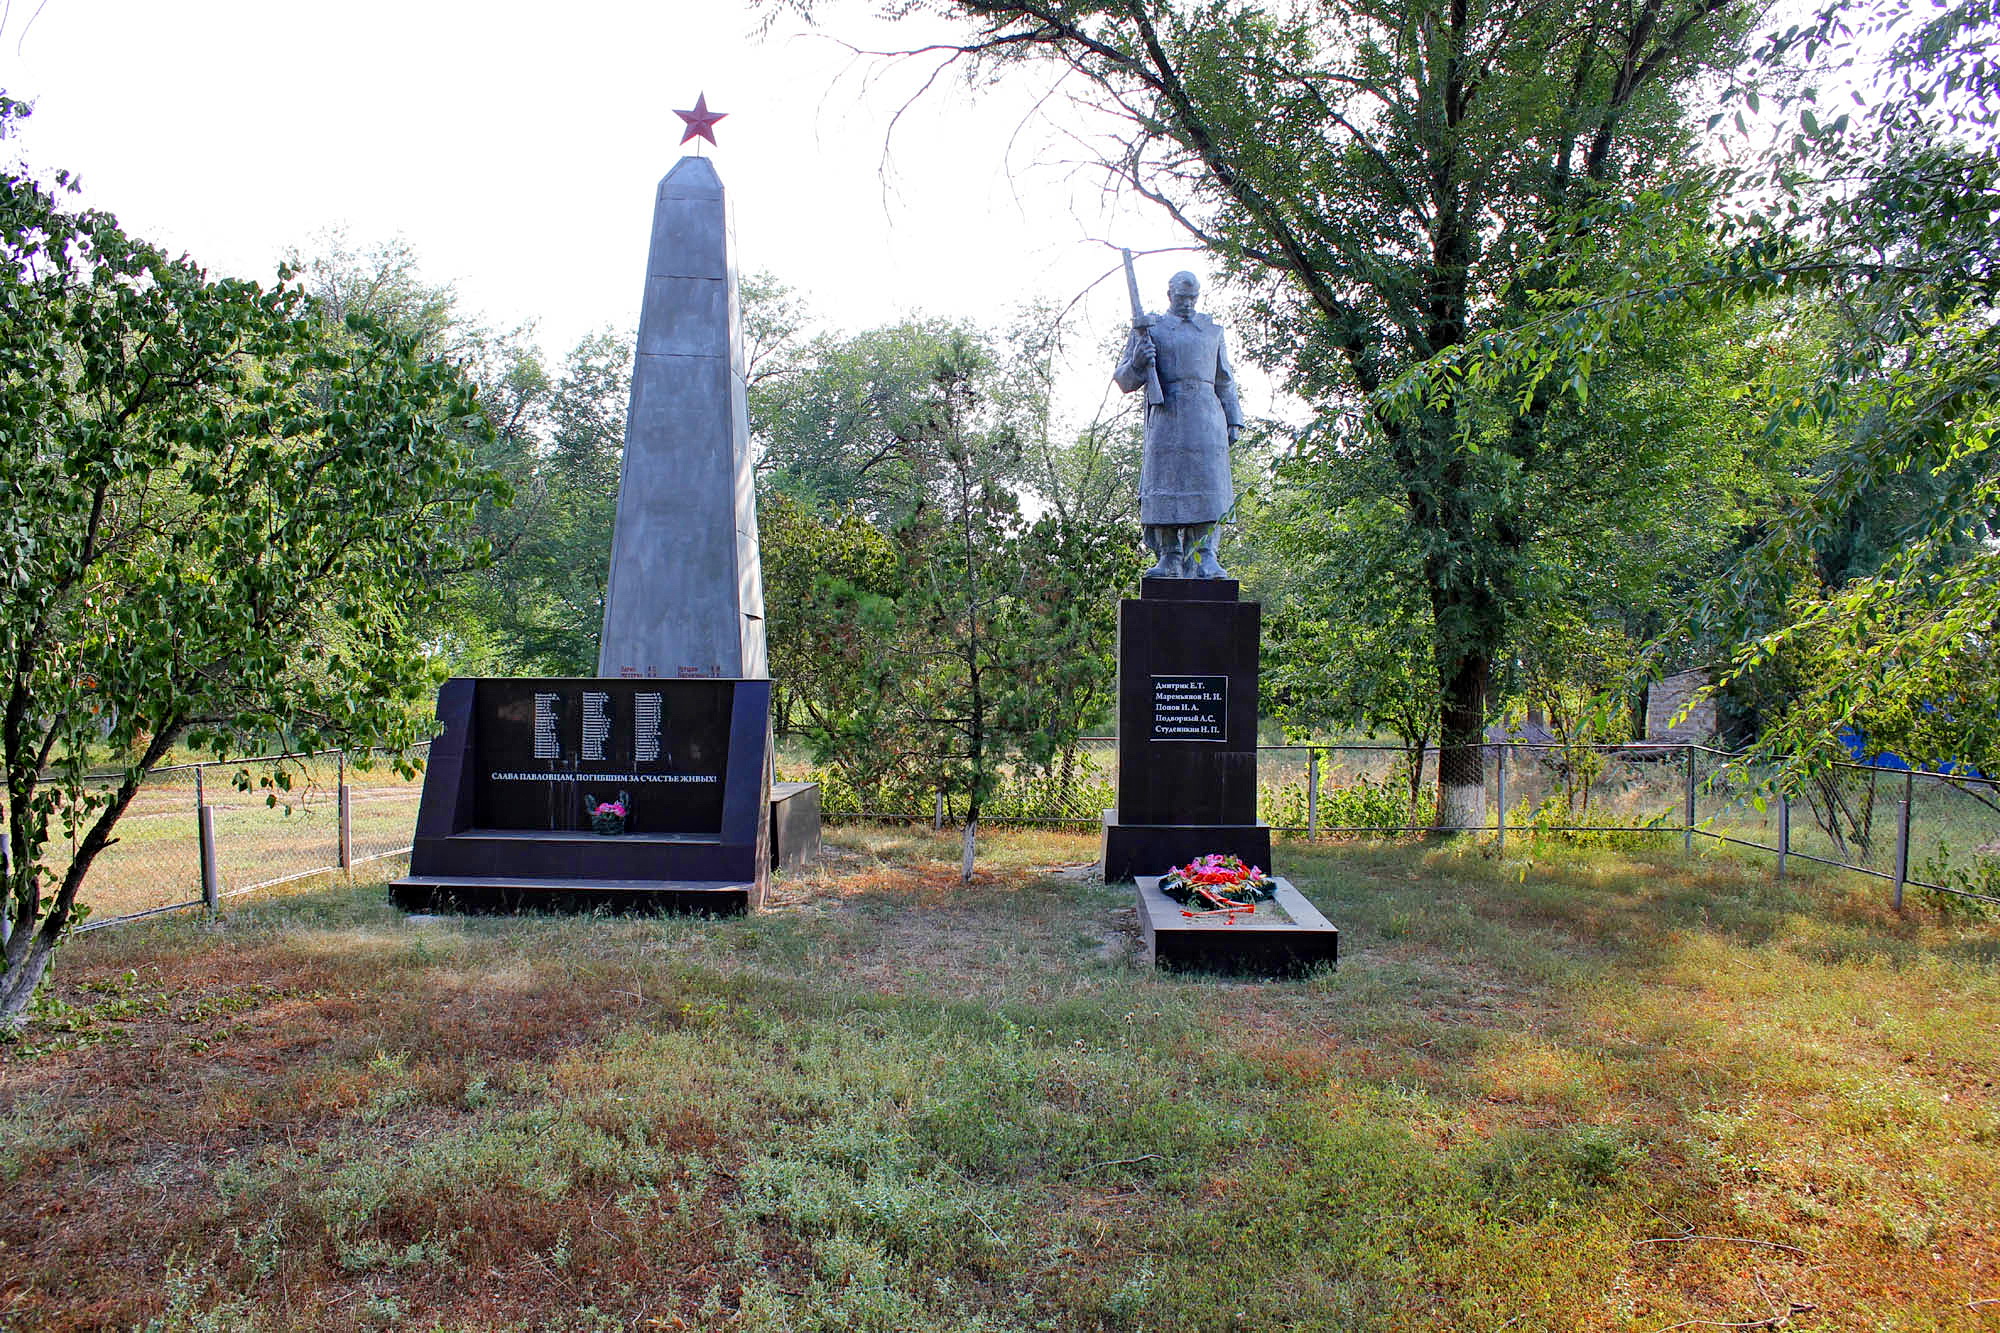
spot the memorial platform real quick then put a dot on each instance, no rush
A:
(1284, 936)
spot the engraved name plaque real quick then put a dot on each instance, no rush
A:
(1190, 708)
(541, 746)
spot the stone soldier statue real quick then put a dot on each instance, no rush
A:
(1184, 482)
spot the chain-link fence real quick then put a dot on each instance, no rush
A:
(197, 833)
(1074, 788)
(201, 832)
(1932, 831)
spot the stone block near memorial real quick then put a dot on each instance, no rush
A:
(1187, 729)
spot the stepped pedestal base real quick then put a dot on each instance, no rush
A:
(517, 893)
(1131, 850)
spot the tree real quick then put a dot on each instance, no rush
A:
(1055, 637)
(538, 607)
(1372, 177)
(1870, 601)
(847, 425)
(967, 534)
(219, 522)
(557, 435)
(1662, 463)
(832, 583)
(926, 637)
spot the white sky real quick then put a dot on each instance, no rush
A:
(516, 146)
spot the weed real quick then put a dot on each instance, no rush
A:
(191, 1309)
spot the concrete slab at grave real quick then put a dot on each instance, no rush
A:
(1283, 937)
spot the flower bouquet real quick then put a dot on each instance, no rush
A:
(1215, 885)
(607, 817)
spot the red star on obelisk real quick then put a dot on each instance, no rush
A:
(700, 121)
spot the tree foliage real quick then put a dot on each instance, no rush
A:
(927, 636)
(1374, 180)
(222, 520)
(1871, 219)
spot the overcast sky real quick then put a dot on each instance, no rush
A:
(516, 146)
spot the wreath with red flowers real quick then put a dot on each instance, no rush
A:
(1217, 884)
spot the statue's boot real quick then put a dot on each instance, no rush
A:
(1172, 562)
(1204, 563)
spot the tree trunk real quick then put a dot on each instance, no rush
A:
(1462, 744)
(19, 983)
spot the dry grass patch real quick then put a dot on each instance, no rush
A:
(1565, 1089)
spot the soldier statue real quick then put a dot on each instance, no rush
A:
(1192, 418)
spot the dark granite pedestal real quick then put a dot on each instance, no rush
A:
(1187, 729)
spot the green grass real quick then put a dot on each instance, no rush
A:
(890, 1103)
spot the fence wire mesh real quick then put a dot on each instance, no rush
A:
(1075, 787)
(384, 803)
(1733, 802)
(1343, 789)
(269, 830)
(1590, 788)
(1955, 835)
(155, 862)
(274, 819)
(1847, 817)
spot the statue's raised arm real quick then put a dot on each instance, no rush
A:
(1185, 487)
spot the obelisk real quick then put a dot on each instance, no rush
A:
(686, 594)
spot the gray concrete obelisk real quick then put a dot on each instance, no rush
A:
(686, 596)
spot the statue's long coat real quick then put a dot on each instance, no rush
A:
(1184, 475)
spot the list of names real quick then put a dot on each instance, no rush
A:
(596, 724)
(1190, 708)
(547, 744)
(645, 728)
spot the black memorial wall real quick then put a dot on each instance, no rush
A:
(505, 818)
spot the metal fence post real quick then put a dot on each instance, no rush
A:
(1687, 831)
(1500, 788)
(1312, 794)
(346, 825)
(1784, 831)
(211, 875)
(204, 835)
(1903, 838)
